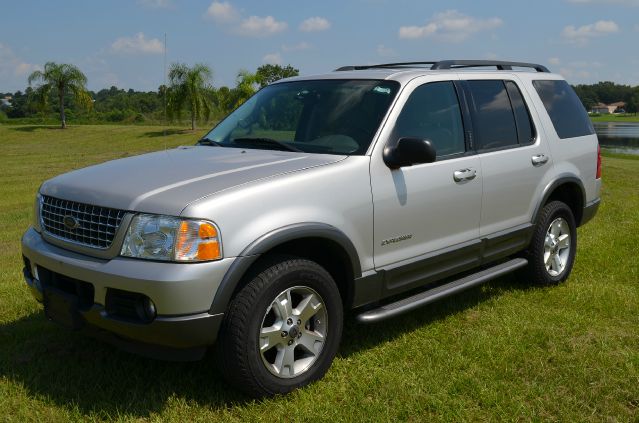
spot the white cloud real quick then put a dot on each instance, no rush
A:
(137, 44)
(256, 26)
(315, 23)
(385, 51)
(619, 2)
(582, 34)
(273, 59)
(222, 12)
(451, 26)
(156, 4)
(13, 67)
(296, 47)
(554, 61)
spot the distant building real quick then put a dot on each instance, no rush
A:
(605, 109)
(6, 101)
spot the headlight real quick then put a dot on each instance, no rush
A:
(171, 239)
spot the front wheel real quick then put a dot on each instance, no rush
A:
(282, 330)
(554, 243)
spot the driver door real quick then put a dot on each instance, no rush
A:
(426, 216)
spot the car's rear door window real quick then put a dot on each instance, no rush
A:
(493, 115)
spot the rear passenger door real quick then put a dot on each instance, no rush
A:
(514, 156)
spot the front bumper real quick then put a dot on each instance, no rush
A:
(182, 293)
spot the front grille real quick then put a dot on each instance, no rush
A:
(92, 226)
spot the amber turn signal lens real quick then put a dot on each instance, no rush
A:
(207, 231)
(208, 251)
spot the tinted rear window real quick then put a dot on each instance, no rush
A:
(525, 127)
(566, 112)
(493, 115)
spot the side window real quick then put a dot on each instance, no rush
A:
(432, 112)
(566, 112)
(493, 115)
(525, 127)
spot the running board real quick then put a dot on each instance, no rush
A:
(443, 291)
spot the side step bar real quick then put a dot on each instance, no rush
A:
(443, 291)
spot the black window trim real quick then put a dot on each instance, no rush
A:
(470, 105)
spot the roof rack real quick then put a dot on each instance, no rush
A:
(452, 64)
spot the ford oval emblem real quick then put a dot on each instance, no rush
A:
(71, 222)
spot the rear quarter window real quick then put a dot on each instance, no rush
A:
(566, 112)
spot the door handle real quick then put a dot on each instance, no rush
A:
(539, 160)
(464, 174)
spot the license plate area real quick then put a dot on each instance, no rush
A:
(62, 308)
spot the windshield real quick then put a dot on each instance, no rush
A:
(316, 116)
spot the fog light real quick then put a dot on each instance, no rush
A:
(146, 309)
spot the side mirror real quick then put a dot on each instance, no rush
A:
(409, 151)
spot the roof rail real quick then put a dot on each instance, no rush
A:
(450, 64)
(500, 65)
(384, 65)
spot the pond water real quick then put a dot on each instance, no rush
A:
(618, 137)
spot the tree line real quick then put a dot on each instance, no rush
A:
(59, 92)
(608, 92)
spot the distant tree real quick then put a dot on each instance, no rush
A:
(189, 87)
(247, 84)
(267, 74)
(59, 80)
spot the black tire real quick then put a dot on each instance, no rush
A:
(241, 361)
(536, 269)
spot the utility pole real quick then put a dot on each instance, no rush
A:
(165, 87)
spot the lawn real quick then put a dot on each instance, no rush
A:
(615, 118)
(504, 351)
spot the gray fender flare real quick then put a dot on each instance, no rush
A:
(270, 240)
(548, 190)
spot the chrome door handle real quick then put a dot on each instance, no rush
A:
(464, 174)
(539, 159)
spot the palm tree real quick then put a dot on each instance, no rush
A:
(60, 79)
(190, 87)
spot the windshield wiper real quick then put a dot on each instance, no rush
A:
(269, 142)
(208, 141)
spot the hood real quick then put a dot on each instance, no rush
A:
(165, 182)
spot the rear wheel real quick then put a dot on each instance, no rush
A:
(282, 330)
(552, 250)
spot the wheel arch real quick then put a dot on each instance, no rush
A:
(320, 242)
(568, 189)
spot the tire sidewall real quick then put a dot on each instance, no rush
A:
(560, 210)
(321, 282)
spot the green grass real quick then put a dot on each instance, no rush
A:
(504, 351)
(615, 118)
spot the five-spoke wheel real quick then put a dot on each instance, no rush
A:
(282, 329)
(552, 249)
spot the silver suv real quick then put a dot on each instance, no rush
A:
(376, 188)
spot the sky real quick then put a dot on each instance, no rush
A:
(121, 43)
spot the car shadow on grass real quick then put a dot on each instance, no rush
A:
(358, 336)
(76, 371)
(33, 128)
(165, 132)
